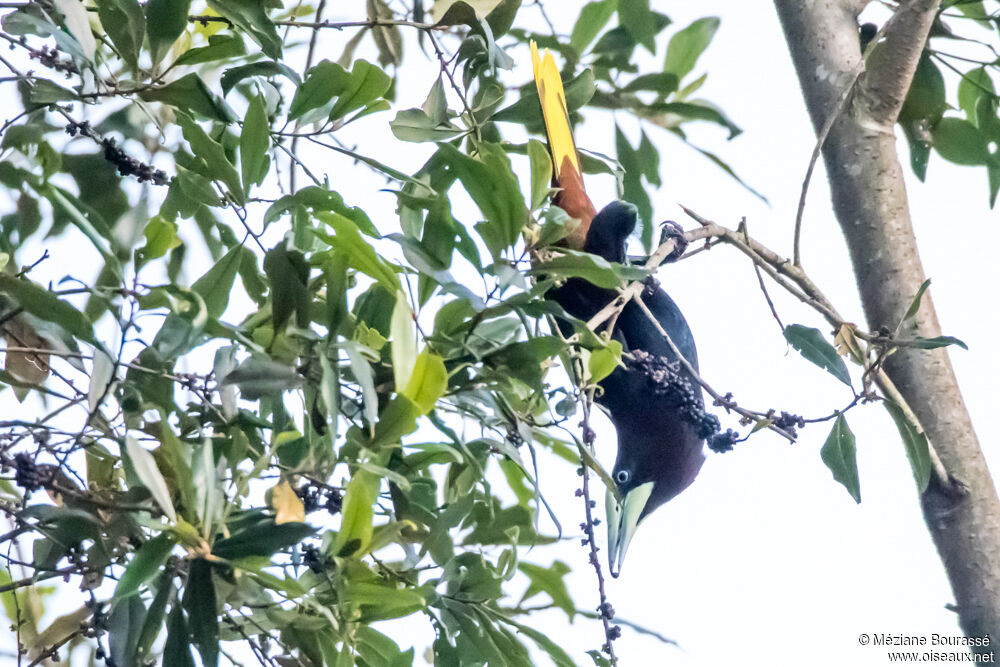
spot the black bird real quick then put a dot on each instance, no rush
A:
(654, 401)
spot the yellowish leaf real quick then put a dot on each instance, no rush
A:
(286, 504)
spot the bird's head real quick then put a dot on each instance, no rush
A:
(610, 230)
(645, 479)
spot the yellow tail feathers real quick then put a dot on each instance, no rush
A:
(554, 111)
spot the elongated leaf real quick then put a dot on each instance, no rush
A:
(255, 140)
(937, 341)
(215, 163)
(264, 68)
(687, 46)
(144, 565)
(357, 512)
(165, 21)
(915, 443)
(404, 341)
(428, 381)
(541, 172)
(840, 455)
(125, 24)
(46, 306)
(813, 346)
(251, 17)
(637, 18)
(493, 186)
(189, 93)
(362, 371)
(145, 467)
(200, 603)
(593, 17)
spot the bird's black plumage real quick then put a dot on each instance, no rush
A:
(654, 402)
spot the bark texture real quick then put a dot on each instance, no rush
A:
(870, 203)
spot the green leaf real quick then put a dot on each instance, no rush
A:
(265, 68)
(687, 45)
(365, 84)
(251, 17)
(189, 93)
(637, 18)
(357, 512)
(125, 24)
(416, 126)
(604, 361)
(427, 382)
(211, 158)
(501, 17)
(813, 346)
(200, 603)
(925, 101)
(937, 341)
(551, 581)
(541, 172)
(974, 84)
(46, 306)
(261, 537)
(161, 237)
(261, 377)
(144, 565)
(322, 83)
(841, 457)
(320, 199)
(222, 46)
(593, 17)
(362, 371)
(528, 111)
(76, 22)
(697, 111)
(149, 474)
(360, 255)
(165, 21)
(216, 284)
(661, 83)
(404, 341)
(960, 141)
(255, 140)
(43, 91)
(495, 190)
(594, 269)
(177, 650)
(288, 274)
(911, 312)
(915, 444)
(153, 622)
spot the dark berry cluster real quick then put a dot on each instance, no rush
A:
(113, 153)
(317, 561)
(789, 422)
(30, 476)
(723, 442)
(315, 497)
(50, 58)
(670, 380)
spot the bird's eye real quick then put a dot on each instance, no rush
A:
(622, 476)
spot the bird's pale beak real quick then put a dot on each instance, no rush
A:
(623, 519)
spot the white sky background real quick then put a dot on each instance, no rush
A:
(765, 560)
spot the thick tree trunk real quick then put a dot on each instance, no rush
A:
(870, 202)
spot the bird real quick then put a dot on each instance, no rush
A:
(653, 399)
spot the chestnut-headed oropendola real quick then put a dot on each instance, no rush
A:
(653, 400)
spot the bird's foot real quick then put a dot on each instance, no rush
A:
(672, 230)
(649, 286)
